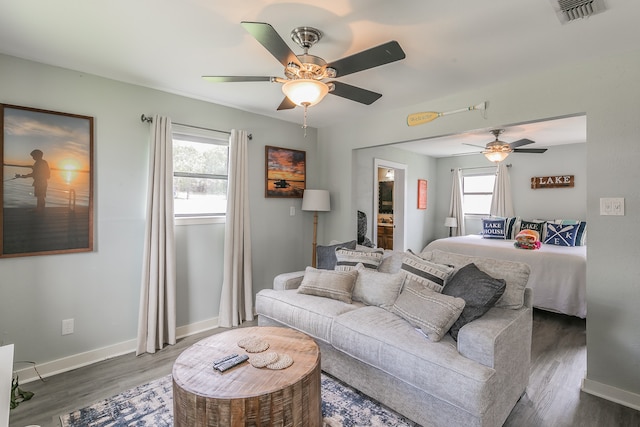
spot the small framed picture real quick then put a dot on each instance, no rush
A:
(286, 171)
(422, 194)
(47, 188)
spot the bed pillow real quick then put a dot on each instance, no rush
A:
(533, 225)
(561, 235)
(347, 259)
(430, 311)
(494, 228)
(332, 284)
(326, 255)
(581, 234)
(432, 275)
(479, 290)
(511, 227)
(375, 288)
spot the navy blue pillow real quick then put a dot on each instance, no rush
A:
(510, 228)
(533, 225)
(494, 228)
(561, 234)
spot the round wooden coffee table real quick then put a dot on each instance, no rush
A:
(245, 395)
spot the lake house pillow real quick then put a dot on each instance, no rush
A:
(533, 225)
(494, 228)
(560, 234)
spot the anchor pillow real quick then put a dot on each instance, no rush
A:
(561, 234)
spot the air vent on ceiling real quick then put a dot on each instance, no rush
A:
(575, 9)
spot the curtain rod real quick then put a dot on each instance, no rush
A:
(144, 118)
(479, 167)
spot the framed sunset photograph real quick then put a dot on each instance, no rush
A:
(47, 182)
(286, 171)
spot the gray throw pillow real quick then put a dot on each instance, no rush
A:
(332, 284)
(375, 288)
(326, 255)
(479, 291)
(432, 312)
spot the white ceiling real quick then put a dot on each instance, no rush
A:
(450, 46)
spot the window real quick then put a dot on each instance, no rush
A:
(200, 172)
(477, 192)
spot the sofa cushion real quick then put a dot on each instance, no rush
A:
(328, 283)
(376, 288)
(427, 273)
(515, 274)
(384, 340)
(478, 290)
(326, 255)
(310, 314)
(347, 259)
(430, 311)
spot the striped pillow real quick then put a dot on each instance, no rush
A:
(433, 276)
(346, 259)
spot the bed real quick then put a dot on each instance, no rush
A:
(558, 273)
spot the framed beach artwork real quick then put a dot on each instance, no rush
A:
(47, 182)
(286, 172)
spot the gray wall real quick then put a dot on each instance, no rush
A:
(606, 89)
(100, 290)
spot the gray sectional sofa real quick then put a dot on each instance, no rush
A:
(474, 381)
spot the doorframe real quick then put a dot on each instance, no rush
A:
(399, 201)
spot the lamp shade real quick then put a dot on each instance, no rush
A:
(450, 221)
(305, 92)
(316, 200)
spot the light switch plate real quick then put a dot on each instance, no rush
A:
(612, 206)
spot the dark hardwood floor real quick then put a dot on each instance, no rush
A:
(553, 397)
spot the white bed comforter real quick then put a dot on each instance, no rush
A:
(558, 274)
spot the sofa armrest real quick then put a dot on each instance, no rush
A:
(286, 281)
(498, 339)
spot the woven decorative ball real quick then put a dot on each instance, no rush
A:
(284, 361)
(264, 359)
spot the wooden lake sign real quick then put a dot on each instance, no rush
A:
(558, 181)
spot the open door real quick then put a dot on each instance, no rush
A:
(389, 204)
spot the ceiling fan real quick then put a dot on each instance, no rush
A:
(304, 83)
(497, 151)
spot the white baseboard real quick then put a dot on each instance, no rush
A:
(79, 360)
(623, 397)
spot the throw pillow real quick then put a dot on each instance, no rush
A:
(533, 225)
(430, 311)
(348, 259)
(375, 288)
(332, 284)
(511, 227)
(581, 234)
(493, 228)
(561, 235)
(427, 273)
(326, 255)
(479, 291)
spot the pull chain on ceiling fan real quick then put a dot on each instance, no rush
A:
(304, 84)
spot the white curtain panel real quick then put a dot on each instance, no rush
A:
(157, 315)
(455, 205)
(236, 301)
(502, 202)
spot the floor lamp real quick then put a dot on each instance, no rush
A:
(316, 201)
(451, 222)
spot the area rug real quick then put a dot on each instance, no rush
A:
(151, 404)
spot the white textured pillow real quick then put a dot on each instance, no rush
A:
(328, 283)
(347, 259)
(430, 274)
(432, 312)
(375, 288)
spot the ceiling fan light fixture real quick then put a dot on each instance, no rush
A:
(305, 92)
(496, 156)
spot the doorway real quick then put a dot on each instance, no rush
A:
(389, 189)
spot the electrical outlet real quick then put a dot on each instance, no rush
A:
(67, 326)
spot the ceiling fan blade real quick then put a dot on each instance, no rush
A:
(271, 40)
(230, 79)
(286, 104)
(521, 142)
(374, 57)
(530, 150)
(474, 145)
(354, 93)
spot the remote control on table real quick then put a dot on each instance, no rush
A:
(224, 359)
(232, 362)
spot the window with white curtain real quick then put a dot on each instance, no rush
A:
(477, 192)
(200, 172)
